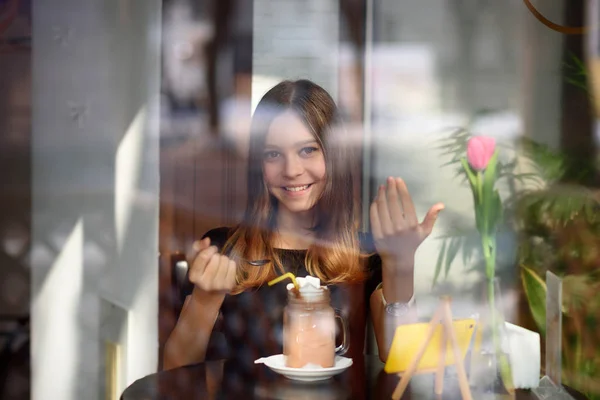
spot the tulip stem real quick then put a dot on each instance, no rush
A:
(480, 187)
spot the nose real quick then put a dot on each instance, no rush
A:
(293, 167)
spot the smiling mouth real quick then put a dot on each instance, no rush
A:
(297, 188)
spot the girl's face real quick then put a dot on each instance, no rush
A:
(293, 164)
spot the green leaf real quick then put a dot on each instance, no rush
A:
(528, 177)
(438, 265)
(478, 214)
(575, 72)
(535, 291)
(505, 372)
(454, 160)
(496, 209)
(490, 171)
(473, 182)
(559, 204)
(455, 245)
(450, 147)
(550, 165)
(463, 177)
(578, 292)
(470, 175)
(489, 180)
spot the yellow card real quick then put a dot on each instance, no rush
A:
(408, 339)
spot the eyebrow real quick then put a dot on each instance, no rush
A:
(297, 144)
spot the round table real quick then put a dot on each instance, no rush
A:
(222, 379)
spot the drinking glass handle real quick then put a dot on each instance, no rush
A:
(343, 348)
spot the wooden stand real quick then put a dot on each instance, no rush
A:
(442, 315)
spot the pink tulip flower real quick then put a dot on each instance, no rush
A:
(480, 150)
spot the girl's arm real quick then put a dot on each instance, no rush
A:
(188, 342)
(394, 289)
(213, 275)
(397, 234)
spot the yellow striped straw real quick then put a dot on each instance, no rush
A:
(285, 276)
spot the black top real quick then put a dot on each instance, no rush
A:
(251, 323)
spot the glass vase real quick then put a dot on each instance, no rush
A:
(490, 374)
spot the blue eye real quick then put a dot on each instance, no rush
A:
(307, 151)
(270, 155)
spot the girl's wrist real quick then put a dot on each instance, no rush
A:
(397, 286)
(398, 265)
(206, 303)
(409, 303)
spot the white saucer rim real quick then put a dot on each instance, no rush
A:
(283, 369)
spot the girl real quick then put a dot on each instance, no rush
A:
(301, 217)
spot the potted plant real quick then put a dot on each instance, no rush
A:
(559, 230)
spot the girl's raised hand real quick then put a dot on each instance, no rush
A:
(212, 272)
(395, 226)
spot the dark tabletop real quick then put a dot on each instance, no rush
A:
(221, 379)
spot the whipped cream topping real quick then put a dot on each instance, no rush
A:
(308, 284)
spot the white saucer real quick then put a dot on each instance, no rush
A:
(307, 374)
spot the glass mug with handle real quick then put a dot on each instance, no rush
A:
(309, 330)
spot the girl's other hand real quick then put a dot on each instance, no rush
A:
(212, 272)
(395, 226)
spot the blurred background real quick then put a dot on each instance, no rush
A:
(124, 132)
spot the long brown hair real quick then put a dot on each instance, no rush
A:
(334, 257)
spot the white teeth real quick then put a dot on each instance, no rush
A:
(297, 188)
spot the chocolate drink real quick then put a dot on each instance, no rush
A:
(309, 329)
(296, 292)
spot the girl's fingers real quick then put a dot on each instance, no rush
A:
(219, 280)
(197, 246)
(201, 261)
(211, 271)
(202, 244)
(393, 203)
(410, 214)
(383, 212)
(231, 273)
(375, 222)
(430, 218)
